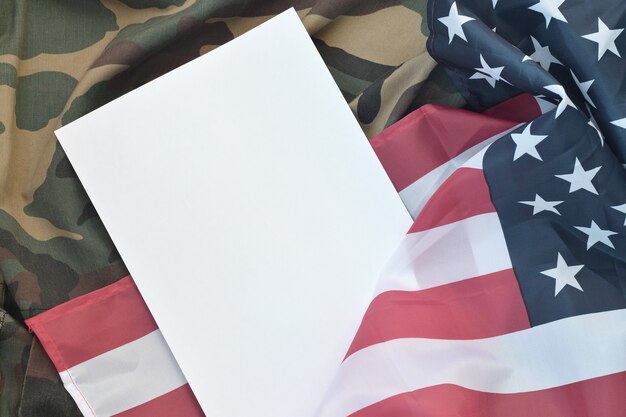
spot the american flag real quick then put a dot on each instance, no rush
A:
(507, 296)
(112, 357)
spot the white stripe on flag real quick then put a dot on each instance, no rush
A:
(76, 394)
(417, 194)
(453, 252)
(554, 354)
(124, 377)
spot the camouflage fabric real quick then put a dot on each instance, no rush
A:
(61, 59)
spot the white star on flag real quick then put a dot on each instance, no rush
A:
(605, 38)
(620, 123)
(584, 88)
(494, 2)
(542, 55)
(481, 76)
(563, 275)
(549, 9)
(454, 22)
(526, 143)
(540, 205)
(595, 235)
(565, 100)
(622, 209)
(491, 75)
(580, 179)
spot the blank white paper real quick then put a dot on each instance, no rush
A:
(251, 212)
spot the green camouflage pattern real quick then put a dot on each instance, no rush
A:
(61, 59)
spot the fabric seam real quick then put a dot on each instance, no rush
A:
(81, 302)
(43, 334)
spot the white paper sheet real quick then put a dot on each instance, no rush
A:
(251, 212)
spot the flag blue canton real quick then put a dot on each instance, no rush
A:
(558, 183)
(565, 50)
(561, 204)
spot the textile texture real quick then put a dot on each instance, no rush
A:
(507, 296)
(59, 60)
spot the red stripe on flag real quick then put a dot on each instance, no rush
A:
(180, 402)
(429, 137)
(464, 194)
(523, 108)
(476, 308)
(597, 397)
(93, 324)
